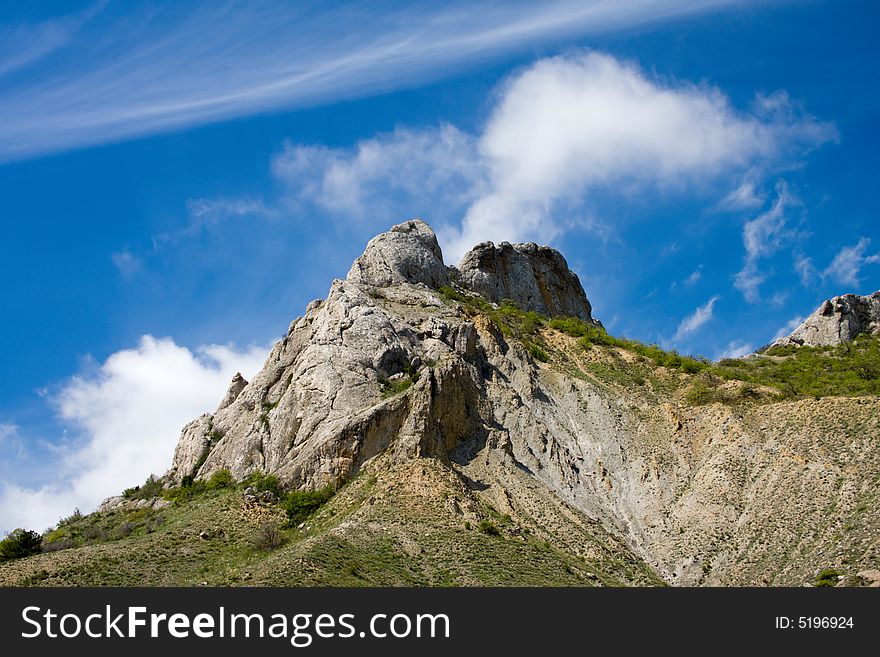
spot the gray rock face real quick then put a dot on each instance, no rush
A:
(386, 367)
(836, 321)
(235, 387)
(408, 253)
(534, 277)
(323, 402)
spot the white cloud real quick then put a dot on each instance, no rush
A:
(24, 44)
(206, 213)
(847, 265)
(7, 430)
(145, 69)
(126, 262)
(426, 171)
(692, 279)
(790, 326)
(568, 125)
(561, 128)
(745, 197)
(762, 237)
(695, 321)
(130, 413)
(735, 349)
(803, 265)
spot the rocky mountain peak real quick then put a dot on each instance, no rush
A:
(837, 320)
(533, 277)
(407, 253)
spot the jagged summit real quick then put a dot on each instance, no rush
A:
(416, 374)
(407, 253)
(837, 320)
(534, 277)
(318, 410)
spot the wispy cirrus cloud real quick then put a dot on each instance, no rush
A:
(696, 320)
(846, 267)
(735, 349)
(762, 237)
(140, 69)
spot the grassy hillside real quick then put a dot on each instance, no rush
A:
(421, 523)
(378, 530)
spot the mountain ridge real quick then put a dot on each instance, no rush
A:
(457, 429)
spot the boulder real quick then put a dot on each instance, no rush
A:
(408, 253)
(533, 277)
(836, 321)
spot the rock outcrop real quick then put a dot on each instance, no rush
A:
(408, 253)
(533, 277)
(388, 369)
(320, 407)
(836, 321)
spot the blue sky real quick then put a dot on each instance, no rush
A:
(178, 180)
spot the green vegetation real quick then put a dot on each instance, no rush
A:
(190, 488)
(20, 543)
(221, 479)
(300, 504)
(708, 389)
(151, 488)
(827, 577)
(268, 537)
(847, 370)
(391, 388)
(487, 527)
(850, 369)
(263, 482)
(590, 335)
(524, 325)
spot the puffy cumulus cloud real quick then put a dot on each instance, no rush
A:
(129, 413)
(569, 124)
(696, 320)
(417, 172)
(847, 265)
(560, 128)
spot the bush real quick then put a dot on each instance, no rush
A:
(20, 543)
(60, 544)
(95, 534)
(827, 577)
(700, 393)
(221, 479)
(268, 483)
(187, 490)
(849, 369)
(124, 529)
(268, 537)
(572, 326)
(488, 528)
(72, 518)
(151, 488)
(391, 388)
(538, 353)
(300, 504)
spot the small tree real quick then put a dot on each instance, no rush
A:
(20, 543)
